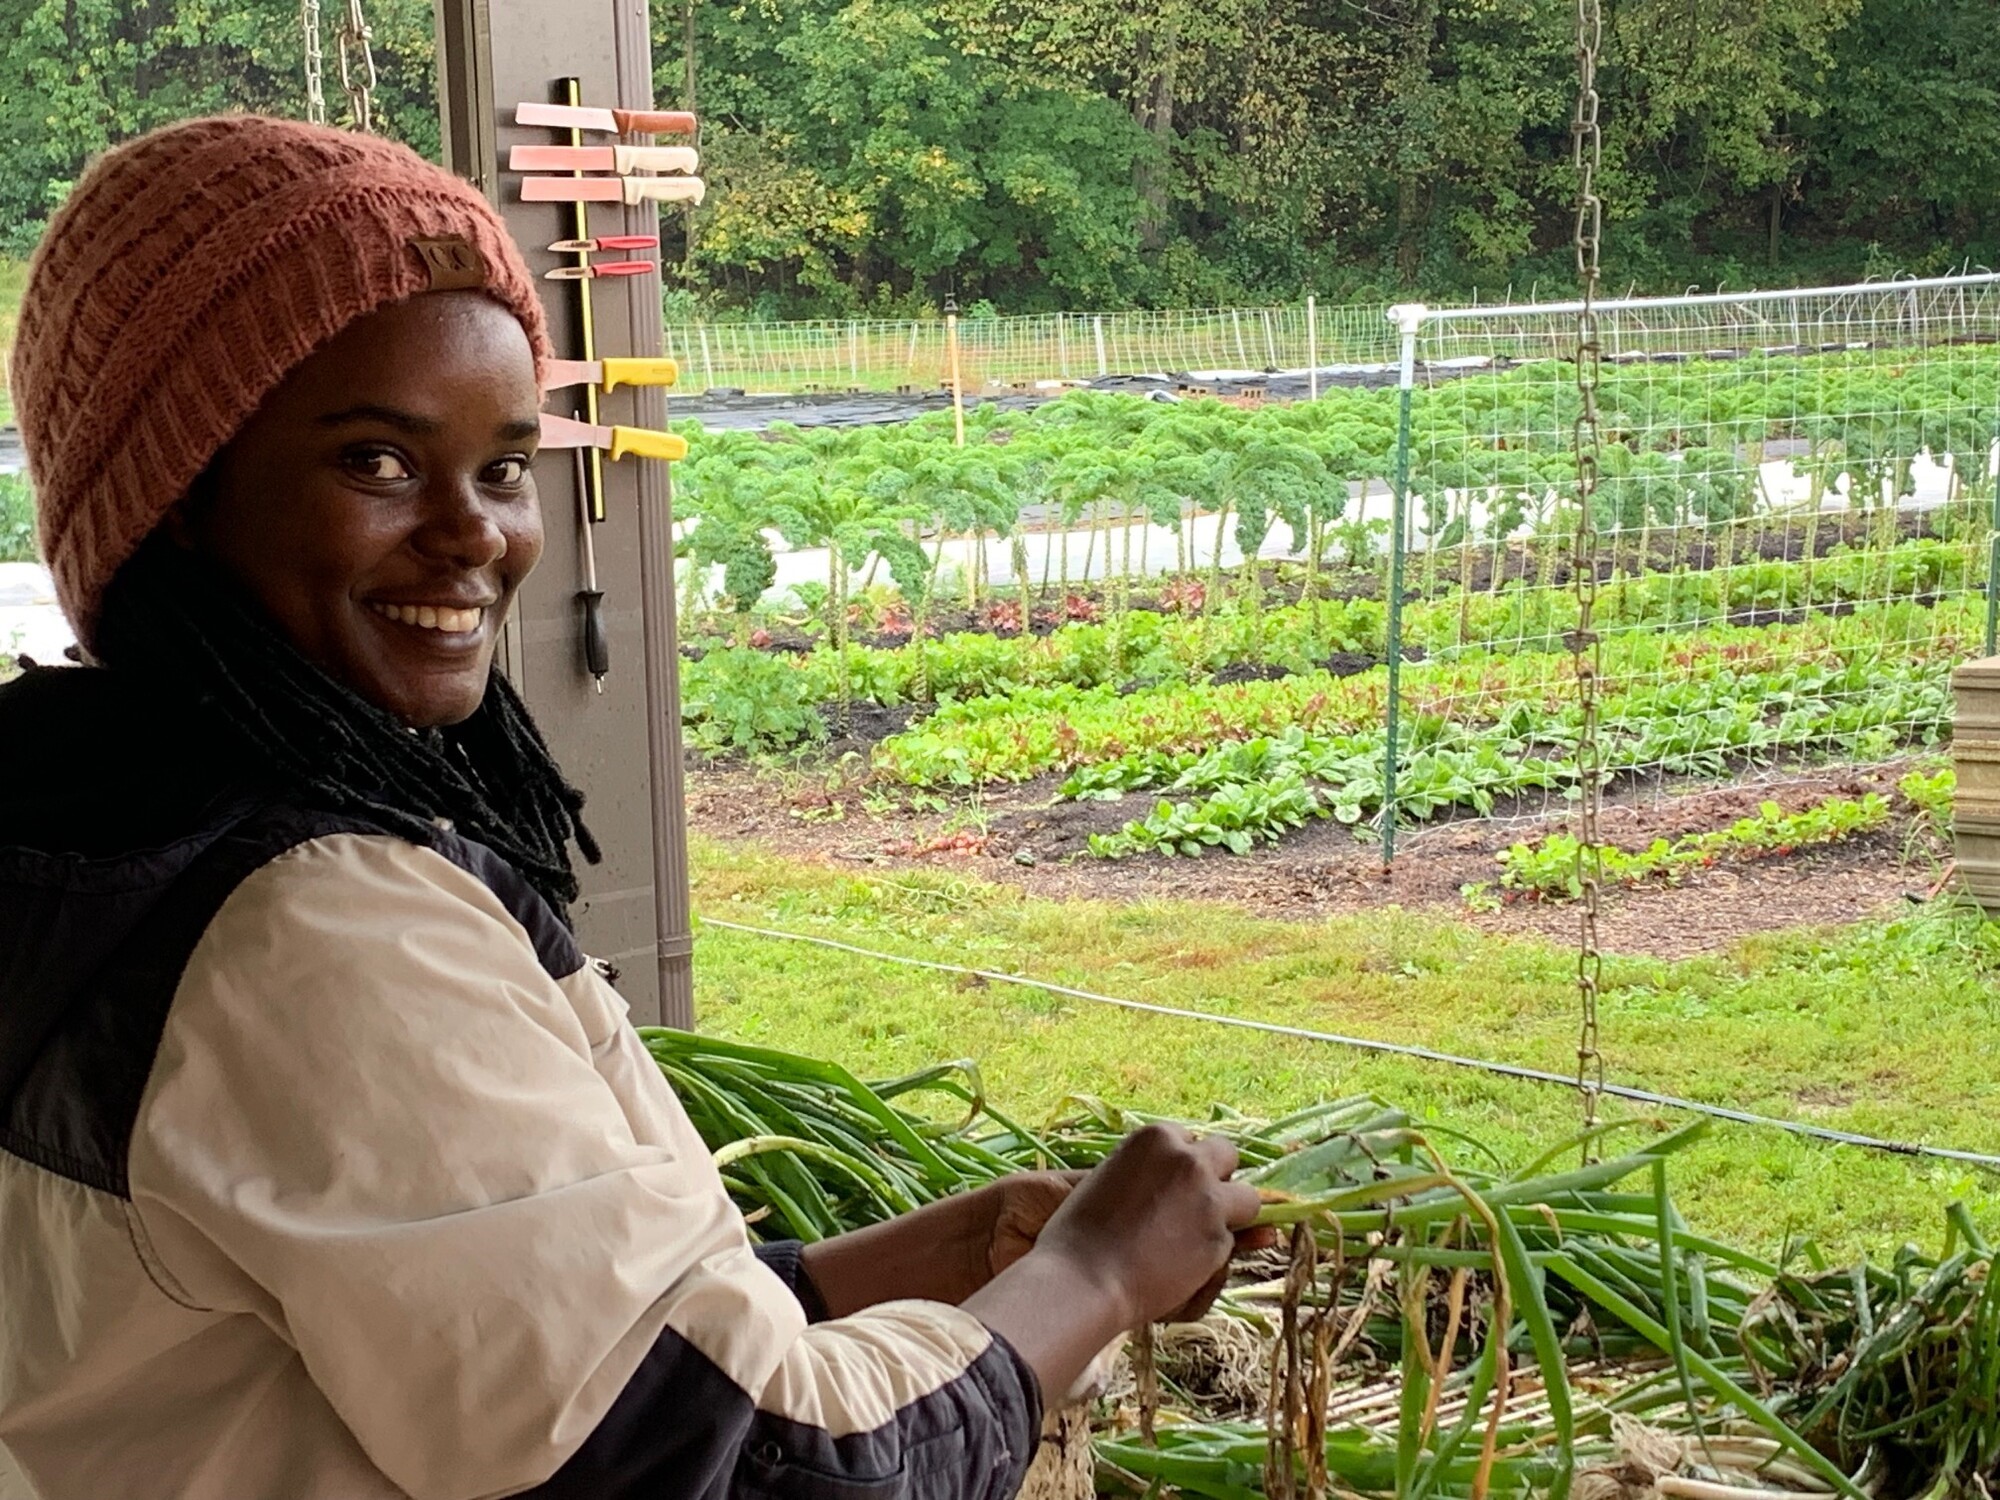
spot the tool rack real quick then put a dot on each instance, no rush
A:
(621, 744)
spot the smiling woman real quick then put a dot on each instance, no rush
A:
(329, 1165)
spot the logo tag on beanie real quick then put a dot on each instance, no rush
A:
(454, 265)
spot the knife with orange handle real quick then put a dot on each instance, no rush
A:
(614, 121)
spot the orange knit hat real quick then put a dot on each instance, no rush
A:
(190, 271)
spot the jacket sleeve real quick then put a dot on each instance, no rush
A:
(785, 1259)
(453, 1182)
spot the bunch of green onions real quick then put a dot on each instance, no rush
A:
(1844, 1374)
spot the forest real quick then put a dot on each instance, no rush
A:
(874, 156)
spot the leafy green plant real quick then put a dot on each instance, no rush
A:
(1931, 794)
(744, 700)
(1548, 868)
(17, 519)
(1699, 703)
(1240, 815)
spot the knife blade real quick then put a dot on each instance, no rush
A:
(620, 442)
(630, 191)
(606, 242)
(620, 159)
(616, 121)
(609, 374)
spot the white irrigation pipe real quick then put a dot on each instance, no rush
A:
(1397, 1049)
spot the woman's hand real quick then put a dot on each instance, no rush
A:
(945, 1251)
(1022, 1205)
(1061, 1263)
(1146, 1236)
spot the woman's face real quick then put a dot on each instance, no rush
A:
(379, 504)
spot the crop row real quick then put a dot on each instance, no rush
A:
(1147, 739)
(744, 699)
(1059, 729)
(1548, 867)
(1684, 447)
(1705, 725)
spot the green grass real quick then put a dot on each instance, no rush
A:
(1886, 1028)
(13, 281)
(17, 519)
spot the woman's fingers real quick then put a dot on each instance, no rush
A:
(1218, 1152)
(1241, 1204)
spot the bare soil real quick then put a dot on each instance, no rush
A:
(1026, 836)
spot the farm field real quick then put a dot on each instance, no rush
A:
(1763, 661)
(1207, 735)
(1415, 591)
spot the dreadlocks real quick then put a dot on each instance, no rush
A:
(175, 618)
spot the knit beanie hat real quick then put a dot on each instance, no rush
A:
(188, 274)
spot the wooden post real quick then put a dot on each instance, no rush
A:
(957, 384)
(1312, 348)
(622, 746)
(1975, 756)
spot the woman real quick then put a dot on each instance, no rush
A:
(329, 1167)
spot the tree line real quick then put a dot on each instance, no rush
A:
(875, 156)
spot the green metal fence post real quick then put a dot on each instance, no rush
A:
(1408, 318)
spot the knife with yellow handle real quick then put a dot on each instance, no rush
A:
(609, 374)
(623, 160)
(619, 442)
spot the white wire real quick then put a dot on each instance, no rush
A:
(1398, 1049)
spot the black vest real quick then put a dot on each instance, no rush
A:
(125, 822)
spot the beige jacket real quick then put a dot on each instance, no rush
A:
(403, 1208)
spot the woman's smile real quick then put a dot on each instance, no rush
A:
(445, 620)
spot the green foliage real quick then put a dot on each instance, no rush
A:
(876, 154)
(1685, 461)
(13, 281)
(933, 159)
(1931, 794)
(17, 519)
(743, 700)
(1549, 867)
(77, 76)
(1264, 757)
(1693, 703)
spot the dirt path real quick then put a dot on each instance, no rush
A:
(1027, 838)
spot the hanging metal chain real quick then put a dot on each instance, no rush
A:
(1588, 146)
(357, 65)
(315, 62)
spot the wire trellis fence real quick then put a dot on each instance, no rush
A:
(1005, 353)
(1009, 352)
(1798, 508)
(1798, 513)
